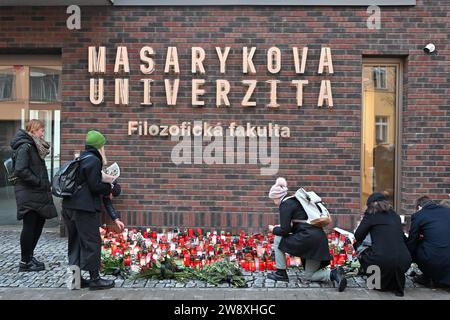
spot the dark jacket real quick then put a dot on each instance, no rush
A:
(88, 197)
(107, 202)
(388, 249)
(301, 239)
(429, 242)
(32, 189)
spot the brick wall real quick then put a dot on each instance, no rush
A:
(323, 152)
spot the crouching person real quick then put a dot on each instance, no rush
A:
(301, 239)
(81, 213)
(429, 242)
(388, 249)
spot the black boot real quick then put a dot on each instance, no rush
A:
(399, 293)
(97, 283)
(424, 281)
(30, 266)
(37, 262)
(279, 275)
(84, 283)
(338, 275)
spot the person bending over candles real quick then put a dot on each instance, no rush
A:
(301, 239)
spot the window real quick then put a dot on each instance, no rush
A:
(45, 85)
(381, 130)
(379, 76)
(7, 81)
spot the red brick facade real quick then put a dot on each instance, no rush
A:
(323, 152)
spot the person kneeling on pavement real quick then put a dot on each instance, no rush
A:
(429, 242)
(298, 238)
(388, 249)
(81, 212)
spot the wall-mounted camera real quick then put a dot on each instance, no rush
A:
(430, 49)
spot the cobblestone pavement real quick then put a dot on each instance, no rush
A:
(51, 249)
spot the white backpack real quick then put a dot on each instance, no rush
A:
(318, 215)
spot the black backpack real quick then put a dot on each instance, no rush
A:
(65, 181)
(10, 166)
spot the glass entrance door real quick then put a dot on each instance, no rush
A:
(380, 119)
(30, 88)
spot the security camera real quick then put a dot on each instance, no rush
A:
(430, 49)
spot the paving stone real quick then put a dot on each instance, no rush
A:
(151, 283)
(281, 284)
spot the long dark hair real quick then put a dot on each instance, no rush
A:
(378, 207)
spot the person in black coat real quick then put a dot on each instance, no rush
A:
(388, 249)
(429, 242)
(32, 189)
(298, 238)
(81, 212)
(108, 206)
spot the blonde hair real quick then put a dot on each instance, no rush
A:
(34, 125)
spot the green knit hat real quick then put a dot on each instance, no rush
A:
(95, 139)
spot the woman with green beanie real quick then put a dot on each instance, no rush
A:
(81, 212)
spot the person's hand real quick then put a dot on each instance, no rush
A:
(107, 178)
(271, 226)
(119, 224)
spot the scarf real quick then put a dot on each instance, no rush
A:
(42, 146)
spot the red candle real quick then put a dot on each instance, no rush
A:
(154, 234)
(199, 231)
(342, 258)
(262, 265)
(182, 242)
(288, 261)
(190, 233)
(336, 259)
(253, 266)
(127, 261)
(246, 266)
(145, 234)
(187, 260)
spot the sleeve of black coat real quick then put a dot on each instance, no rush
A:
(94, 178)
(286, 209)
(414, 234)
(363, 229)
(22, 167)
(109, 208)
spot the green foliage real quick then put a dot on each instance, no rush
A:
(215, 273)
(112, 265)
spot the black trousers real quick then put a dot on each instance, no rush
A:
(84, 248)
(33, 224)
